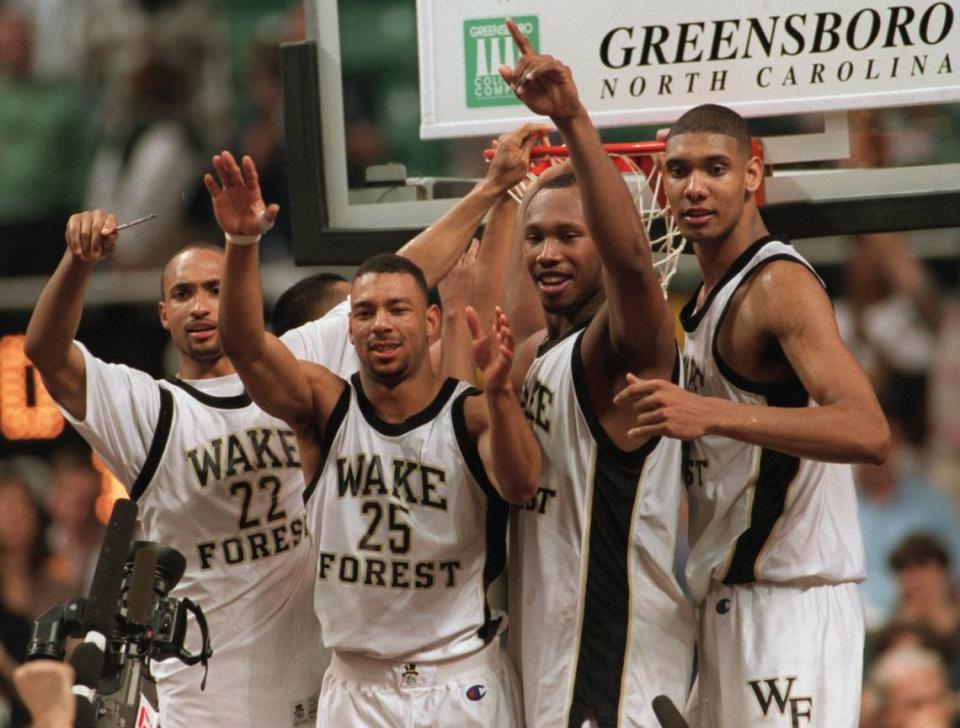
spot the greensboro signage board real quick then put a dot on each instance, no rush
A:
(647, 62)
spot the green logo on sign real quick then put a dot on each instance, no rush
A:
(486, 46)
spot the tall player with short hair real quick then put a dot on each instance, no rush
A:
(214, 476)
(773, 405)
(599, 624)
(405, 510)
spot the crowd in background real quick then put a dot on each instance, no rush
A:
(119, 103)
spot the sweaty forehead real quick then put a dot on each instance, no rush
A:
(553, 206)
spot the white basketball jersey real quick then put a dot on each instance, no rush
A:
(326, 341)
(599, 625)
(758, 514)
(410, 532)
(220, 481)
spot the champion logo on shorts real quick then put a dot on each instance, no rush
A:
(476, 692)
(410, 677)
(723, 606)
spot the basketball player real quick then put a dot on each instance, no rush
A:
(231, 498)
(435, 251)
(773, 404)
(308, 300)
(409, 525)
(599, 625)
(215, 478)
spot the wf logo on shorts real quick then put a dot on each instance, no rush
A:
(476, 692)
(486, 46)
(769, 693)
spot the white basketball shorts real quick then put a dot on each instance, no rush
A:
(780, 655)
(480, 690)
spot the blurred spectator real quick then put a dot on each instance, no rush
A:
(263, 137)
(890, 312)
(893, 503)
(44, 153)
(28, 580)
(907, 689)
(160, 67)
(926, 593)
(888, 317)
(75, 533)
(944, 398)
(57, 29)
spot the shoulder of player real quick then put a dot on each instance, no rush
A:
(782, 291)
(326, 389)
(526, 351)
(475, 413)
(523, 355)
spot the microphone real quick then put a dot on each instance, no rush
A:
(101, 608)
(140, 595)
(667, 713)
(87, 663)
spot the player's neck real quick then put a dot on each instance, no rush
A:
(397, 402)
(204, 369)
(716, 256)
(559, 325)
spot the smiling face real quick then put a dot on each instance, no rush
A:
(709, 181)
(190, 308)
(390, 323)
(559, 252)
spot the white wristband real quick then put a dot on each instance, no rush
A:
(241, 239)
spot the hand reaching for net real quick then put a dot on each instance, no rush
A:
(511, 159)
(542, 82)
(456, 288)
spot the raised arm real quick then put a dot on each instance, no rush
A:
(278, 383)
(456, 292)
(787, 305)
(639, 321)
(518, 292)
(437, 249)
(507, 445)
(90, 237)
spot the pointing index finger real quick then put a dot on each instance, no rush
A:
(523, 43)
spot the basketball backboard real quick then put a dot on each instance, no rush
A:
(858, 108)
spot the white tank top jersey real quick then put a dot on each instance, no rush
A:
(326, 341)
(410, 532)
(220, 481)
(599, 625)
(758, 515)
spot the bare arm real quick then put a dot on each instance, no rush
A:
(53, 326)
(456, 290)
(278, 383)
(437, 249)
(520, 300)
(639, 321)
(846, 426)
(506, 443)
(903, 273)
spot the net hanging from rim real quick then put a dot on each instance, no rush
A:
(637, 161)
